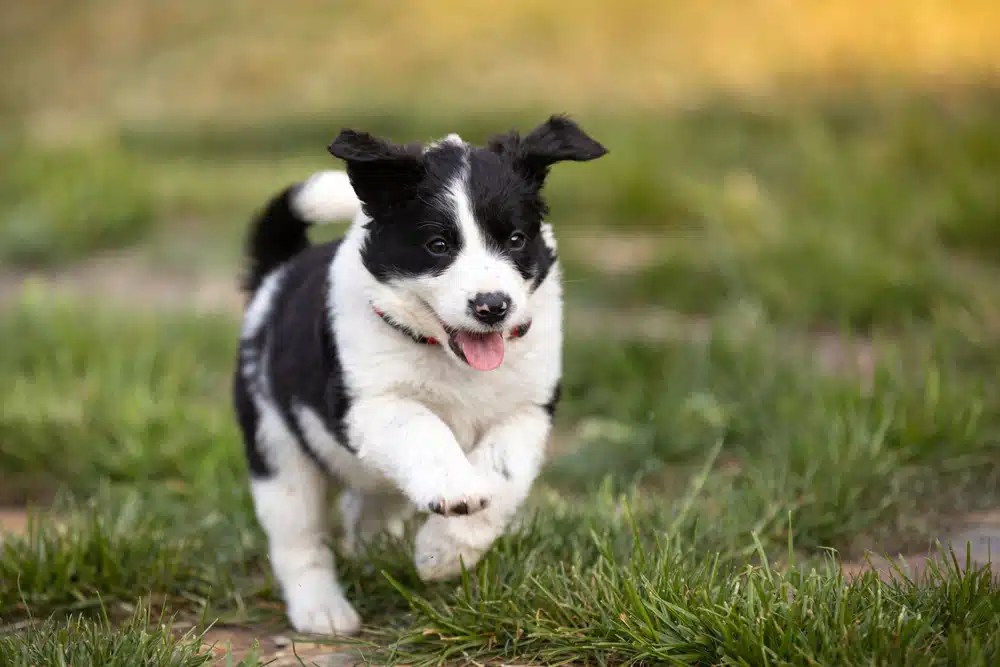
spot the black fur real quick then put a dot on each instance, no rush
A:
(296, 350)
(303, 366)
(504, 202)
(556, 140)
(247, 418)
(276, 235)
(553, 403)
(383, 174)
(400, 187)
(400, 193)
(545, 262)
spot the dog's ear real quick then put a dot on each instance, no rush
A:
(381, 173)
(556, 140)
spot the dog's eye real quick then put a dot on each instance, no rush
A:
(437, 246)
(517, 241)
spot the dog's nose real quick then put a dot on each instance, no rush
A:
(490, 307)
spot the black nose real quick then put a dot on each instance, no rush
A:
(490, 307)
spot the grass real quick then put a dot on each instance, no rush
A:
(121, 542)
(841, 457)
(61, 203)
(695, 525)
(655, 605)
(870, 214)
(79, 408)
(847, 214)
(84, 641)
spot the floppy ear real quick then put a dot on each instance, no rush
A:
(555, 140)
(381, 173)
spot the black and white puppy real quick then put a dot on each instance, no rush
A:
(364, 360)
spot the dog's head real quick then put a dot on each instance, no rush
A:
(457, 229)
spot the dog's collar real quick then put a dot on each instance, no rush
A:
(517, 332)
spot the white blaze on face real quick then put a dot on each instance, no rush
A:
(477, 269)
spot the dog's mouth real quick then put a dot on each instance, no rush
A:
(482, 351)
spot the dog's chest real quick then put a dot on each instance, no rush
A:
(470, 402)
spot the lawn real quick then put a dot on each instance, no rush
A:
(690, 518)
(783, 329)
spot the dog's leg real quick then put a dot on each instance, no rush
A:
(410, 445)
(510, 455)
(291, 507)
(366, 515)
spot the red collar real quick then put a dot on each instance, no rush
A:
(516, 332)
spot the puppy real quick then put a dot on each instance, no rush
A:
(416, 361)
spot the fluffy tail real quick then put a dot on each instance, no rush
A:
(279, 231)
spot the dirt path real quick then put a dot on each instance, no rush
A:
(274, 650)
(13, 521)
(975, 537)
(125, 279)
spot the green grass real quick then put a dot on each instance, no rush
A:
(86, 641)
(848, 460)
(126, 542)
(648, 540)
(86, 394)
(844, 213)
(60, 203)
(606, 603)
(871, 213)
(611, 582)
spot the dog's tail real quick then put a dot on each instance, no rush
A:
(279, 231)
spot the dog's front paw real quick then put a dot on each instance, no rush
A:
(458, 505)
(466, 494)
(321, 609)
(444, 546)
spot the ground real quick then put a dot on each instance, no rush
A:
(780, 433)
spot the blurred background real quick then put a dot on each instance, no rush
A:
(829, 163)
(792, 250)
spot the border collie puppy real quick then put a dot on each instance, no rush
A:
(416, 361)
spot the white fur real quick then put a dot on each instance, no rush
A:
(348, 467)
(426, 427)
(259, 307)
(397, 436)
(549, 236)
(290, 508)
(427, 406)
(452, 138)
(515, 446)
(327, 196)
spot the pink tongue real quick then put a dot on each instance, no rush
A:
(484, 352)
